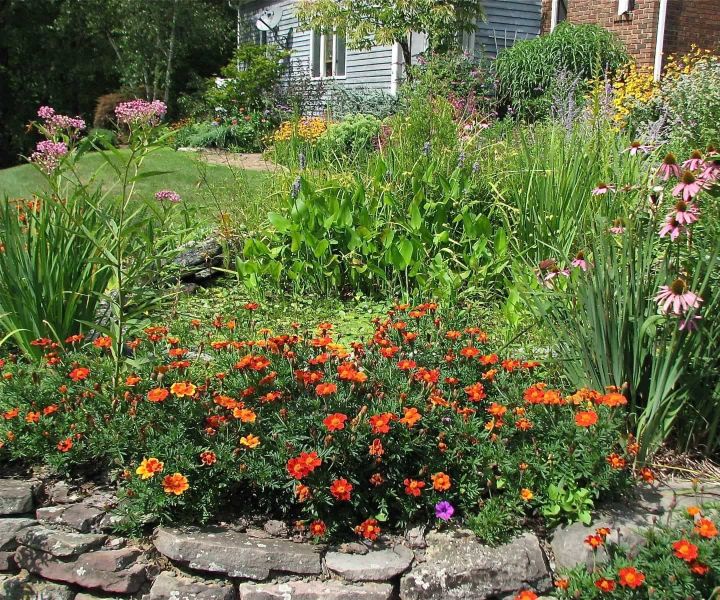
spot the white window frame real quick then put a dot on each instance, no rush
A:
(623, 7)
(321, 70)
(555, 8)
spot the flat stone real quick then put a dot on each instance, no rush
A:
(415, 537)
(315, 590)
(7, 562)
(353, 548)
(276, 528)
(62, 544)
(62, 493)
(115, 571)
(23, 587)
(16, 496)
(376, 565)
(9, 528)
(81, 517)
(84, 596)
(462, 568)
(660, 499)
(219, 550)
(168, 586)
(568, 541)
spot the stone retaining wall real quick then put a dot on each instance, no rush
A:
(56, 543)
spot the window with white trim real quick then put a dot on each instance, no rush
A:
(558, 12)
(327, 55)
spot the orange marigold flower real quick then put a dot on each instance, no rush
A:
(325, 389)
(616, 461)
(526, 494)
(32, 417)
(49, 410)
(149, 467)
(335, 421)
(497, 410)
(65, 445)
(208, 458)
(613, 399)
(411, 417)
(245, 415)
(175, 484)
(79, 374)
(132, 380)
(488, 359)
(586, 418)
(340, 489)
(699, 568)
(11, 414)
(183, 388)
(103, 341)
(413, 487)
(302, 492)
(630, 577)
(369, 529)
(524, 424)
(605, 585)
(157, 395)
(376, 479)
(603, 531)
(706, 528)
(453, 335)
(469, 352)
(441, 481)
(250, 441)
(526, 595)
(595, 541)
(376, 448)
(381, 423)
(317, 528)
(693, 511)
(647, 475)
(685, 550)
(475, 392)
(562, 584)
(406, 365)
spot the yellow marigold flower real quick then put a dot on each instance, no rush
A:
(250, 441)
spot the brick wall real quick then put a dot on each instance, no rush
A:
(691, 22)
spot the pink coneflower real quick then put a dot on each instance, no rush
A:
(669, 167)
(677, 297)
(673, 227)
(690, 323)
(637, 147)
(685, 213)
(579, 261)
(556, 272)
(695, 162)
(618, 227)
(602, 188)
(711, 171)
(688, 186)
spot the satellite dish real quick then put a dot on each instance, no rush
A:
(268, 20)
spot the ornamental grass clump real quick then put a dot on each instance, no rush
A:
(423, 423)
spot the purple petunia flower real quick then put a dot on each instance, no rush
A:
(444, 510)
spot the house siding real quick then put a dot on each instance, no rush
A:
(507, 21)
(366, 69)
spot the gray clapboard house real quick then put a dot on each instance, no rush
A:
(379, 68)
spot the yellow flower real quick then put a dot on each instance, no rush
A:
(149, 467)
(250, 441)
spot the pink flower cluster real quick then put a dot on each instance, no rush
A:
(140, 112)
(55, 123)
(47, 154)
(168, 196)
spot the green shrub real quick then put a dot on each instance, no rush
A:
(527, 70)
(245, 133)
(346, 101)
(250, 81)
(351, 138)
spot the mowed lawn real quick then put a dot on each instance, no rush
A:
(206, 189)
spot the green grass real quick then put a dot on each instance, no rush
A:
(206, 189)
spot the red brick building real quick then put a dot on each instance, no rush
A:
(650, 29)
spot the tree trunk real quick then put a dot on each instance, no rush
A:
(407, 55)
(170, 54)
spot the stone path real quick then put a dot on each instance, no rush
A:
(56, 543)
(241, 160)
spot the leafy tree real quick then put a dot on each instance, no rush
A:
(385, 22)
